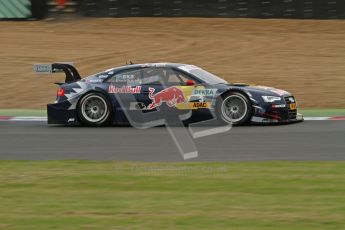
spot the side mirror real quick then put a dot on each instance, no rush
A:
(190, 82)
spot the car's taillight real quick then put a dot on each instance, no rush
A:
(61, 92)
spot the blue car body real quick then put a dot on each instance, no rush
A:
(203, 90)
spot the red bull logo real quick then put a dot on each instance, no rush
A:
(171, 96)
(124, 89)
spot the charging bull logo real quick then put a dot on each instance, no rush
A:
(171, 96)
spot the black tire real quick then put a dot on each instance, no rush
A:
(94, 109)
(234, 108)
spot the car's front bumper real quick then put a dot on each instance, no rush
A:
(263, 120)
(268, 114)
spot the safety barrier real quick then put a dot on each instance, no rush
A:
(320, 9)
(304, 9)
(62, 6)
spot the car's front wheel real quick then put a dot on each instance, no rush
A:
(94, 110)
(234, 108)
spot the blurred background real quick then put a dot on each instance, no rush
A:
(297, 45)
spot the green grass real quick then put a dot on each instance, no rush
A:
(114, 195)
(23, 112)
(322, 112)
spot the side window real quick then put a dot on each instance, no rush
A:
(153, 76)
(130, 77)
(176, 78)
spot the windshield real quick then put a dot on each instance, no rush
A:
(203, 75)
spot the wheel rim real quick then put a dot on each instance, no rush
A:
(234, 108)
(94, 108)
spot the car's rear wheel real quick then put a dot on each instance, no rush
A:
(94, 110)
(234, 108)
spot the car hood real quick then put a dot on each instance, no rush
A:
(260, 90)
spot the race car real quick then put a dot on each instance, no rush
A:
(138, 93)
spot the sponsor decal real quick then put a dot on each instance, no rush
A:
(293, 106)
(199, 105)
(279, 106)
(205, 92)
(94, 81)
(171, 96)
(129, 78)
(43, 68)
(124, 89)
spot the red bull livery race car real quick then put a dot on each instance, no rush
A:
(141, 93)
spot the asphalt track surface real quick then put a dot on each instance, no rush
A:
(310, 140)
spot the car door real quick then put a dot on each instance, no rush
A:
(187, 84)
(152, 83)
(126, 85)
(165, 87)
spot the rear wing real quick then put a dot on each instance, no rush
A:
(72, 74)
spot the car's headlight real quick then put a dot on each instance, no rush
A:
(271, 98)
